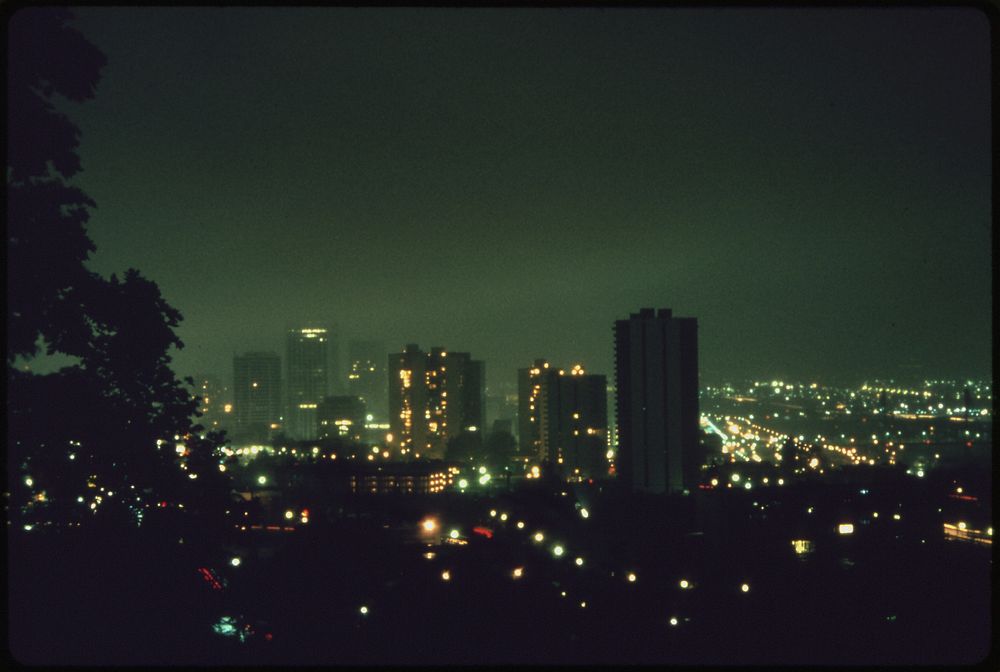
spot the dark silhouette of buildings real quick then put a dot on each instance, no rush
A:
(366, 377)
(656, 372)
(341, 416)
(257, 395)
(432, 397)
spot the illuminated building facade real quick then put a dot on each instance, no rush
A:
(366, 376)
(433, 396)
(308, 367)
(257, 395)
(402, 478)
(529, 409)
(564, 415)
(656, 376)
(341, 416)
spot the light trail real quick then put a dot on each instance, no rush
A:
(712, 426)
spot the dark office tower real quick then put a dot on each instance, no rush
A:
(307, 363)
(341, 416)
(472, 391)
(656, 371)
(366, 376)
(432, 397)
(529, 409)
(575, 422)
(257, 395)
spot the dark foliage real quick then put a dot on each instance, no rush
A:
(113, 417)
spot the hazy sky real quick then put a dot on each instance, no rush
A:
(812, 185)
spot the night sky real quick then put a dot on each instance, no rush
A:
(812, 185)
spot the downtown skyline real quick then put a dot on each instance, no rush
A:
(813, 185)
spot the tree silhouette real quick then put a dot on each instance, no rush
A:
(47, 243)
(111, 419)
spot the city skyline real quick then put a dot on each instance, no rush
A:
(735, 260)
(816, 194)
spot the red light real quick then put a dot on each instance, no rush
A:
(268, 636)
(305, 512)
(486, 532)
(162, 504)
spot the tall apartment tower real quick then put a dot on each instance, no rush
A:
(656, 376)
(574, 433)
(529, 409)
(432, 397)
(564, 417)
(308, 380)
(257, 395)
(366, 376)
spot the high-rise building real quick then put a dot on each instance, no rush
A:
(466, 382)
(433, 396)
(407, 399)
(257, 395)
(612, 420)
(564, 415)
(307, 378)
(341, 416)
(529, 409)
(656, 377)
(366, 377)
